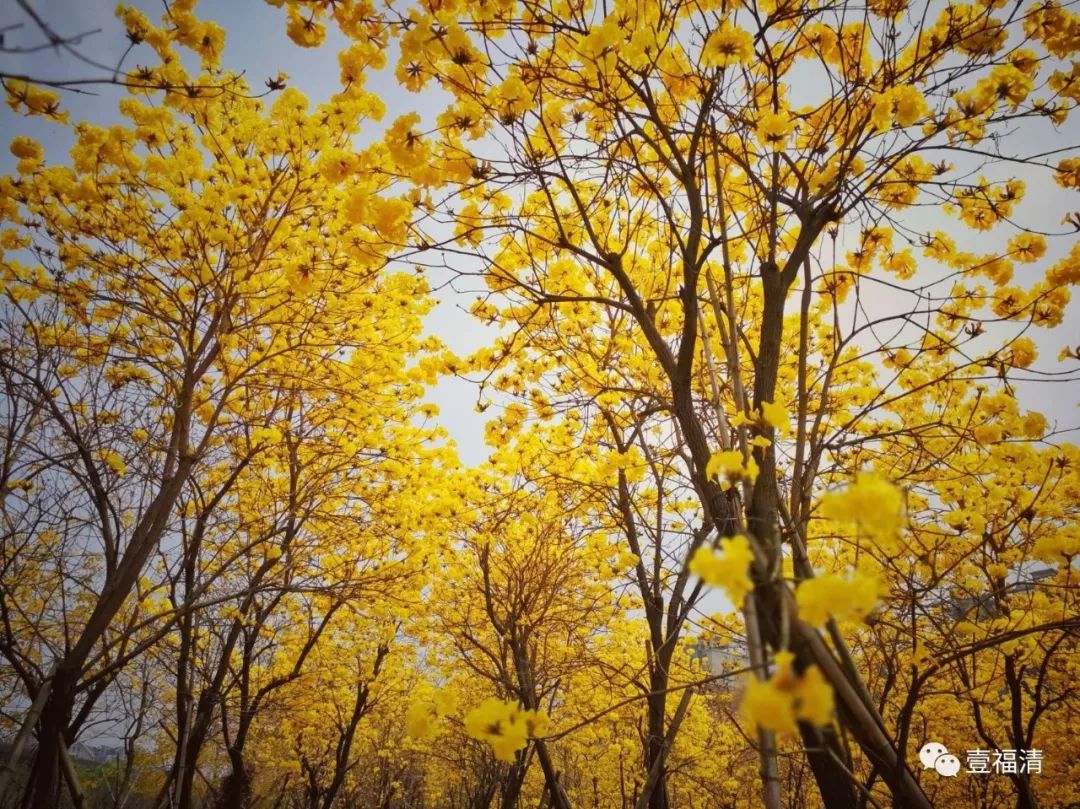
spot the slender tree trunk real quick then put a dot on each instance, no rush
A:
(41, 792)
(512, 784)
(345, 743)
(657, 728)
(653, 776)
(1025, 795)
(71, 777)
(196, 737)
(556, 793)
(776, 609)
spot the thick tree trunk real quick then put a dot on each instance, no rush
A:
(1025, 796)
(43, 789)
(236, 789)
(185, 788)
(835, 784)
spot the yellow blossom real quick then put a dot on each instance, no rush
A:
(727, 45)
(729, 569)
(777, 704)
(1027, 247)
(773, 129)
(729, 466)
(872, 503)
(29, 153)
(445, 701)
(113, 460)
(845, 598)
(303, 29)
(1067, 174)
(769, 707)
(420, 720)
(33, 100)
(813, 697)
(909, 105)
(1022, 352)
(504, 725)
(775, 415)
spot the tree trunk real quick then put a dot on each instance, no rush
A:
(71, 777)
(512, 784)
(236, 789)
(809, 649)
(196, 737)
(654, 748)
(555, 791)
(43, 789)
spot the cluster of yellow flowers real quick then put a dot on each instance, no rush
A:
(29, 153)
(785, 698)
(728, 569)
(845, 598)
(872, 503)
(113, 460)
(773, 129)
(727, 45)
(33, 100)
(903, 105)
(1056, 544)
(505, 725)
(730, 466)
(423, 715)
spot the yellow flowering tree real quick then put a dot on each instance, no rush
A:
(189, 308)
(768, 293)
(683, 208)
(522, 594)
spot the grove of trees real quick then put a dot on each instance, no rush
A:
(777, 486)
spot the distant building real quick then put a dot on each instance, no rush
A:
(718, 658)
(983, 606)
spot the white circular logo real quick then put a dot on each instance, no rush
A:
(934, 755)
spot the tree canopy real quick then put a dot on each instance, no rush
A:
(778, 505)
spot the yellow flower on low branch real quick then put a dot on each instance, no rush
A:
(786, 698)
(873, 504)
(505, 726)
(730, 466)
